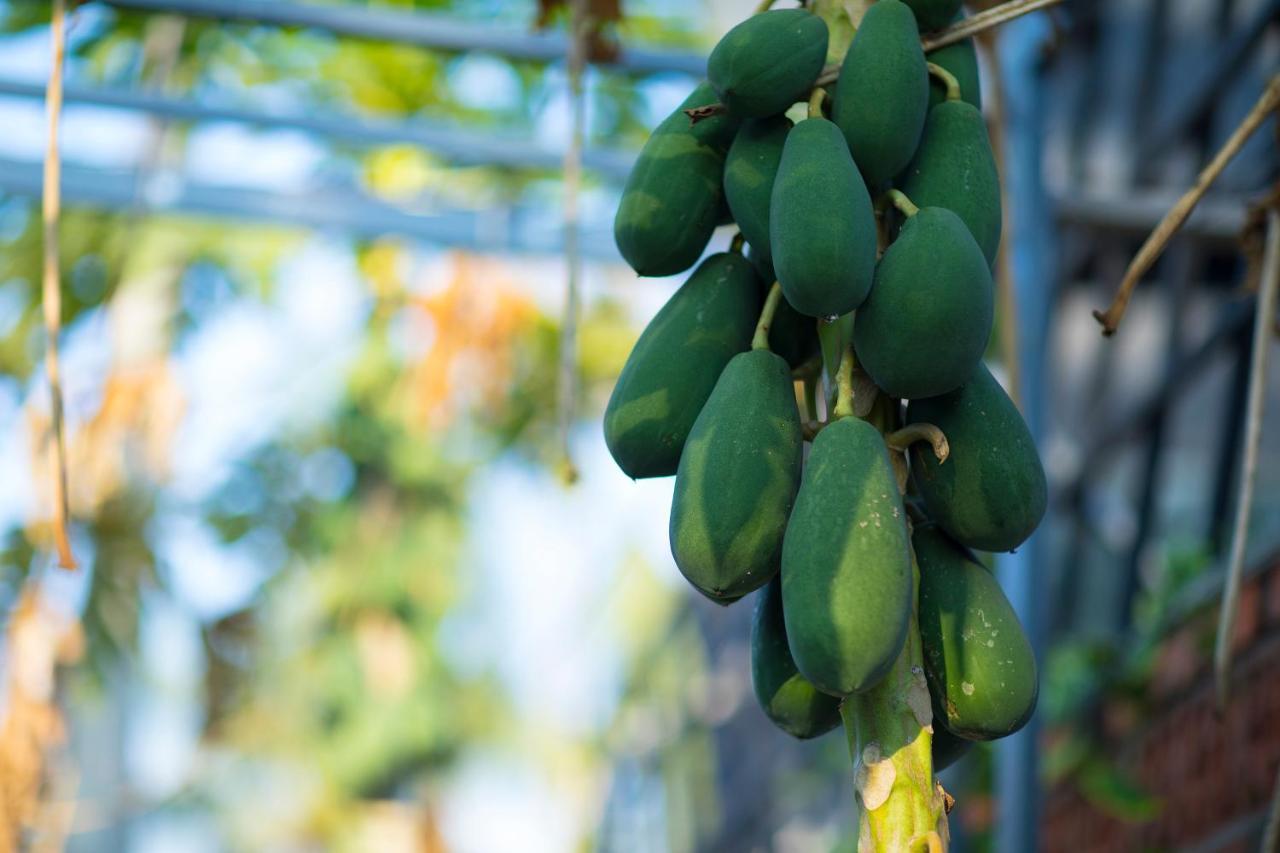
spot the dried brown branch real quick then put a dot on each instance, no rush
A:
(1177, 215)
(52, 288)
(579, 28)
(1268, 284)
(1006, 293)
(983, 21)
(961, 30)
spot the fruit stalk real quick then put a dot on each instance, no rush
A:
(760, 340)
(889, 729)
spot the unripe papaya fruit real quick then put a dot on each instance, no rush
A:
(737, 478)
(980, 667)
(954, 168)
(882, 95)
(821, 224)
(846, 562)
(947, 747)
(792, 703)
(934, 14)
(961, 60)
(749, 171)
(768, 62)
(923, 329)
(676, 362)
(672, 199)
(990, 493)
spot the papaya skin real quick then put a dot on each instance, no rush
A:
(954, 168)
(882, 95)
(923, 329)
(821, 224)
(846, 563)
(676, 362)
(934, 14)
(737, 478)
(977, 659)
(991, 492)
(673, 198)
(749, 172)
(768, 62)
(787, 699)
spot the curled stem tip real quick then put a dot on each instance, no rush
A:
(844, 386)
(736, 244)
(815, 102)
(947, 79)
(899, 200)
(903, 438)
(763, 6)
(760, 340)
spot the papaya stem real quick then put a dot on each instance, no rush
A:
(903, 438)
(899, 200)
(764, 6)
(736, 244)
(815, 102)
(844, 386)
(947, 79)
(811, 397)
(760, 340)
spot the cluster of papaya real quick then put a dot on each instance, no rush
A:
(870, 211)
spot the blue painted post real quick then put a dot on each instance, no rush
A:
(1020, 49)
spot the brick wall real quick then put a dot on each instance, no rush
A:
(1213, 774)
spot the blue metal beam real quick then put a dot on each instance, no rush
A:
(515, 229)
(437, 32)
(454, 144)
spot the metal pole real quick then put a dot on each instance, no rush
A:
(440, 32)
(1020, 47)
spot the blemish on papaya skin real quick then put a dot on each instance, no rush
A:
(874, 778)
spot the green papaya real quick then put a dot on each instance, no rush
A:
(978, 662)
(672, 199)
(923, 329)
(792, 703)
(934, 14)
(768, 62)
(961, 60)
(749, 171)
(954, 168)
(846, 562)
(990, 493)
(947, 747)
(676, 362)
(737, 478)
(821, 224)
(882, 95)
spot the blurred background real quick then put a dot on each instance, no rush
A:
(335, 591)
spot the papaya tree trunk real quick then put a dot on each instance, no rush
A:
(889, 728)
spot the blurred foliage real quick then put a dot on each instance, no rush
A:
(1087, 678)
(331, 681)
